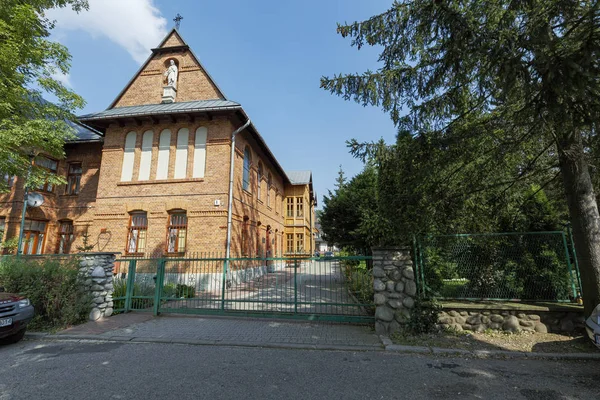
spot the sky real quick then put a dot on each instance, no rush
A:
(267, 55)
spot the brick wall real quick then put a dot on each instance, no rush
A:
(57, 205)
(193, 82)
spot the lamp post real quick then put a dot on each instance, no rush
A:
(25, 196)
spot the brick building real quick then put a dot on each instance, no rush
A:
(150, 175)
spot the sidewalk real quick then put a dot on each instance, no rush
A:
(143, 327)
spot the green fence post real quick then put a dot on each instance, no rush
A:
(224, 282)
(574, 252)
(130, 285)
(569, 265)
(160, 272)
(295, 286)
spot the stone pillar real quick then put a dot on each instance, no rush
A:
(96, 274)
(395, 288)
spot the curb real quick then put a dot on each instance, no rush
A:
(199, 342)
(505, 354)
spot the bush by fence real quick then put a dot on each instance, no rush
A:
(52, 287)
(359, 279)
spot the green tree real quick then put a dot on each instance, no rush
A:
(525, 71)
(350, 216)
(29, 63)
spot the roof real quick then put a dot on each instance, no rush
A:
(173, 31)
(299, 177)
(166, 108)
(84, 133)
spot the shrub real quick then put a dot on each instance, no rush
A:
(185, 291)
(119, 293)
(359, 280)
(423, 316)
(51, 286)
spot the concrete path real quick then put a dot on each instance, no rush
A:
(101, 370)
(227, 330)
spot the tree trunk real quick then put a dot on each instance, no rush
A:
(583, 211)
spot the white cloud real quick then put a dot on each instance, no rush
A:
(135, 25)
(65, 79)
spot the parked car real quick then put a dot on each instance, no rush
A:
(317, 254)
(592, 326)
(15, 313)
(329, 254)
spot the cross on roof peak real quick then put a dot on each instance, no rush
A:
(177, 20)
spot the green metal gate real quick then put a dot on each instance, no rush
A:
(334, 289)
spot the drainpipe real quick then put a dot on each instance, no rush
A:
(230, 201)
(310, 211)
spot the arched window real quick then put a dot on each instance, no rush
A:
(200, 153)
(146, 156)
(245, 237)
(269, 184)
(258, 239)
(65, 236)
(136, 239)
(259, 176)
(164, 149)
(177, 232)
(247, 163)
(181, 154)
(128, 157)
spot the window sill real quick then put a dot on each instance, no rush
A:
(134, 254)
(178, 254)
(246, 191)
(160, 181)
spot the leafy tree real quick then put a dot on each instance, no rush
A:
(522, 72)
(349, 216)
(29, 63)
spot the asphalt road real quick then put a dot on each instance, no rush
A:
(72, 370)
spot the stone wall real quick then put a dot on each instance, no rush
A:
(541, 321)
(96, 274)
(395, 288)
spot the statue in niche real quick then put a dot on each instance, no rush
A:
(171, 74)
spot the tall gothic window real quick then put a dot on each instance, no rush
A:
(138, 227)
(128, 157)
(259, 176)
(269, 184)
(146, 156)
(245, 237)
(200, 153)
(247, 164)
(181, 153)
(164, 150)
(74, 178)
(65, 237)
(177, 232)
(51, 167)
(34, 234)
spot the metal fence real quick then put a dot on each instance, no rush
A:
(532, 266)
(335, 288)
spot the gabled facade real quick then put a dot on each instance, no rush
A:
(154, 181)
